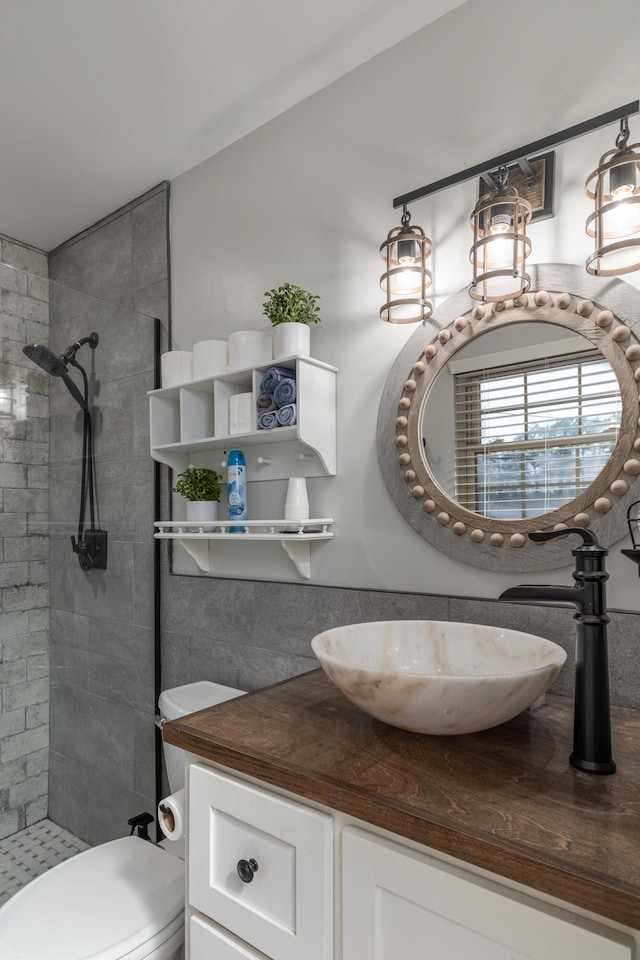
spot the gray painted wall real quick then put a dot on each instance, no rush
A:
(112, 279)
(24, 550)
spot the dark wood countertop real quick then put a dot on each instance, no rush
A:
(505, 799)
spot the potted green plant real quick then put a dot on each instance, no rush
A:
(291, 310)
(200, 487)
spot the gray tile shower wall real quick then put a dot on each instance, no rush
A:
(123, 259)
(24, 549)
(249, 634)
(102, 637)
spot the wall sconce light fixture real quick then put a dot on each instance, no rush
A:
(499, 220)
(615, 222)
(406, 279)
(633, 522)
(500, 244)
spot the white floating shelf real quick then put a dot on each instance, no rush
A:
(295, 536)
(192, 419)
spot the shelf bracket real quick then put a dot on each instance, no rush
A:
(300, 556)
(198, 550)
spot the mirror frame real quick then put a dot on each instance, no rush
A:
(604, 311)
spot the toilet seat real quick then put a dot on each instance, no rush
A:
(117, 901)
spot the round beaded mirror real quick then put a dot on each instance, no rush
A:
(606, 313)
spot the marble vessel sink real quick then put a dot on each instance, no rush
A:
(437, 677)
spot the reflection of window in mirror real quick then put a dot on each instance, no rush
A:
(531, 435)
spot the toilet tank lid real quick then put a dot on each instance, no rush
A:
(179, 701)
(102, 904)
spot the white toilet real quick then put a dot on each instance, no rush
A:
(122, 900)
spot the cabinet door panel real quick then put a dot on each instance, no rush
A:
(285, 910)
(399, 902)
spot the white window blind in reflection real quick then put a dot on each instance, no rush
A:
(532, 436)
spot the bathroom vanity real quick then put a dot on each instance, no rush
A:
(355, 839)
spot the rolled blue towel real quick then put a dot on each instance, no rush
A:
(274, 376)
(285, 392)
(287, 415)
(268, 420)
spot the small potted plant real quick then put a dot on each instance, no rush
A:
(201, 489)
(291, 310)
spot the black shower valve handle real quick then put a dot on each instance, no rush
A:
(91, 549)
(79, 547)
(589, 538)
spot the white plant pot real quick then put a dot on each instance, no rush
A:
(291, 340)
(201, 511)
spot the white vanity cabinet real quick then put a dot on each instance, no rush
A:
(402, 902)
(390, 899)
(284, 852)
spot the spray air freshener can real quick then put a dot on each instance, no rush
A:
(237, 488)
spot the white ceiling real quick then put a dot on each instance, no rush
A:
(102, 99)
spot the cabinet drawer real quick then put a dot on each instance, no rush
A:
(285, 910)
(396, 900)
(207, 942)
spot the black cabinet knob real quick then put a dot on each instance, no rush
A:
(246, 869)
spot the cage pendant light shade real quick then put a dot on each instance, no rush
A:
(615, 221)
(406, 279)
(500, 246)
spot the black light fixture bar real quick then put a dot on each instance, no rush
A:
(571, 133)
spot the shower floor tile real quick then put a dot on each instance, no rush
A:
(27, 854)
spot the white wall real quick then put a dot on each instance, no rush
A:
(308, 198)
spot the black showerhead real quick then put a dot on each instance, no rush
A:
(58, 366)
(46, 359)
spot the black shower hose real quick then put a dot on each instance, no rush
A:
(87, 485)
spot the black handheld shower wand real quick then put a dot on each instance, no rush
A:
(91, 544)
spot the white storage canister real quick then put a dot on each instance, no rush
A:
(176, 366)
(249, 348)
(209, 358)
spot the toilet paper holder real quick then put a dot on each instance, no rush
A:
(169, 819)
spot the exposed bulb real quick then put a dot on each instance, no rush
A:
(499, 252)
(622, 220)
(406, 279)
(623, 191)
(622, 181)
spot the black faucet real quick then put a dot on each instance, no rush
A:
(591, 722)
